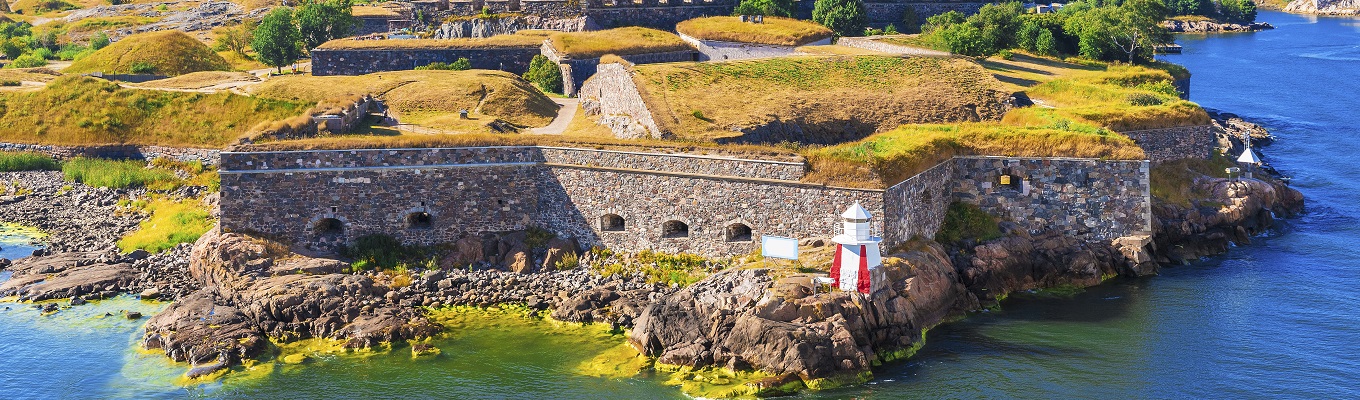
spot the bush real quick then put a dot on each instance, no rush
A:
(966, 39)
(845, 17)
(143, 67)
(545, 74)
(773, 8)
(1238, 11)
(377, 250)
(1143, 99)
(171, 223)
(118, 174)
(10, 83)
(29, 60)
(967, 221)
(100, 40)
(911, 21)
(937, 21)
(462, 64)
(1046, 44)
(26, 161)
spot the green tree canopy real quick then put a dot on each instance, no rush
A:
(845, 17)
(777, 8)
(545, 74)
(320, 21)
(276, 39)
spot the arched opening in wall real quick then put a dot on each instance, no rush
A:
(674, 229)
(737, 233)
(328, 227)
(419, 220)
(611, 223)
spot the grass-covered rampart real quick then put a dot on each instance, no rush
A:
(75, 110)
(774, 30)
(617, 41)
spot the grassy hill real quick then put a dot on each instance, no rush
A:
(815, 99)
(430, 98)
(163, 52)
(775, 30)
(76, 110)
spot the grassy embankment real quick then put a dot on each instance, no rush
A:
(74, 110)
(429, 98)
(198, 80)
(774, 31)
(617, 41)
(161, 52)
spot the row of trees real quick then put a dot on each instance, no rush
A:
(1236, 11)
(1100, 30)
(283, 35)
(25, 48)
(845, 17)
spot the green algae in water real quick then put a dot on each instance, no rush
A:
(19, 235)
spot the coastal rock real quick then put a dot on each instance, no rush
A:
(66, 275)
(1324, 7)
(1209, 26)
(204, 327)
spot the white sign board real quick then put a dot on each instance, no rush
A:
(779, 247)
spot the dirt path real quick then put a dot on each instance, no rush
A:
(563, 119)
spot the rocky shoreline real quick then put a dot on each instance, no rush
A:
(232, 294)
(1209, 26)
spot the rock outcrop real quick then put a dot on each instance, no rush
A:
(1208, 26)
(1324, 7)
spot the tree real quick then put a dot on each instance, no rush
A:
(276, 39)
(1139, 28)
(966, 39)
(99, 41)
(937, 21)
(845, 17)
(999, 23)
(911, 21)
(1045, 44)
(1238, 11)
(236, 38)
(319, 22)
(545, 74)
(775, 8)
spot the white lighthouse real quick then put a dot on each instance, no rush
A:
(857, 265)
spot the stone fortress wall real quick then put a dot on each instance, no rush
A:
(118, 151)
(366, 61)
(1175, 143)
(708, 205)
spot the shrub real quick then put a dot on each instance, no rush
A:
(845, 17)
(1045, 44)
(1143, 99)
(29, 60)
(100, 40)
(26, 161)
(545, 74)
(376, 250)
(118, 174)
(462, 64)
(143, 67)
(171, 223)
(773, 8)
(10, 83)
(966, 39)
(967, 221)
(911, 21)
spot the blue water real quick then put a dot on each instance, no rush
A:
(1276, 319)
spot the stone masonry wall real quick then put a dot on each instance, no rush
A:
(367, 61)
(488, 189)
(917, 206)
(613, 96)
(1175, 143)
(205, 156)
(469, 191)
(576, 71)
(1085, 198)
(717, 50)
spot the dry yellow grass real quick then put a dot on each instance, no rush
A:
(374, 11)
(775, 30)
(199, 80)
(525, 38)
(500, 94)
(833, 98)
(617, 41)
(39, 74)
(170, 52)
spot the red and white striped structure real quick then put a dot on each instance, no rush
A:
(857, 265)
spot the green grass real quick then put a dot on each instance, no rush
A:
(967, 221)
(11, 161)
(171, 223)
(670, 269)
(1175, 181)
(119, 174)
(1121, 98)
